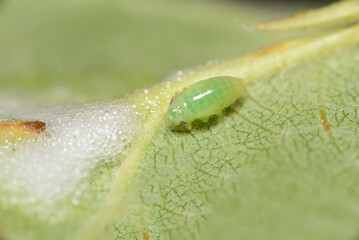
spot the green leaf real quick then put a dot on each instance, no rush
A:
(283, 156)
(268, 169)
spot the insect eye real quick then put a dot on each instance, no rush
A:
(183, 122)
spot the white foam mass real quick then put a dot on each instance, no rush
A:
(77, 139)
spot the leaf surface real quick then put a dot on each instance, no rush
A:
(283, 156)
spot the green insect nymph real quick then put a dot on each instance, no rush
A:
(204, 98)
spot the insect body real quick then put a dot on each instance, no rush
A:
(204, 98)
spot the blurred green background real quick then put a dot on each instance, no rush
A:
(77, 51)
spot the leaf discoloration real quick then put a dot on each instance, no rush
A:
(276, 48)
(145, 235)
(281, 20)
(22, 128)
(324, 120)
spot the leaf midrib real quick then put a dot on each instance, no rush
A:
(251, 67)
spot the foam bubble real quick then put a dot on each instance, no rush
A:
(77, 139)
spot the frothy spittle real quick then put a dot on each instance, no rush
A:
(76, 140)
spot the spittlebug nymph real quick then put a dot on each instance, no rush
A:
(204, 99)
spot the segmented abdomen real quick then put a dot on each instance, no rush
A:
(205, 98)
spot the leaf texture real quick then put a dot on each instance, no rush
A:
(281, 163)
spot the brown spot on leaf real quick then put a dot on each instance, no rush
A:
(37, 126)
(272, 49)
(14, 131)
(286, 19)
(277, 23)
(324, 120)
(145, 235)
(28, 126)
